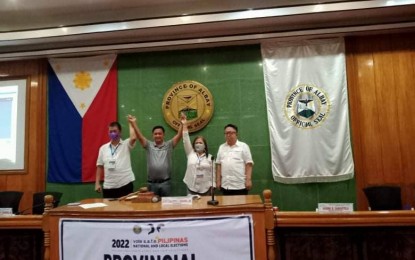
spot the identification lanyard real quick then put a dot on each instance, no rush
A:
(200, 158)
(113, 151)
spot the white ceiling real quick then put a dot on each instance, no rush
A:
(16, 15)
(45, 28)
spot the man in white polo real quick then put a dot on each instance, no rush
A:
(114, 162)
(234, 164)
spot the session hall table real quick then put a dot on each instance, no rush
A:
(228, 206)
(357, 235)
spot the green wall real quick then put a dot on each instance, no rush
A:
(234, 77)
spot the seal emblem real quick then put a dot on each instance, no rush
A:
(306, 106)
(191, 98)
(137, 229)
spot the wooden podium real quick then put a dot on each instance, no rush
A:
(228, 205)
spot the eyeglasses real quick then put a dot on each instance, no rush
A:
(230, 133)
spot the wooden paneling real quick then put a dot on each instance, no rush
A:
(352, 243)
(21, 244)
(33, 178)
(380, 81)
(313, 219)
(21, 237)
(357, 235)
(21, 222)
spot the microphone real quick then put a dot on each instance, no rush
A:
(212, 202)
(21, 212)
(37, 208)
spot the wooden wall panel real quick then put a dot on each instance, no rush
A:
(380, 80)
(405, 68)
(33, 179)
(384, 61)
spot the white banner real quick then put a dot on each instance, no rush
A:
(227, 237)
(306, 96)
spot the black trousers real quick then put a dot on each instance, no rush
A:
(118, 192)
(226, 192)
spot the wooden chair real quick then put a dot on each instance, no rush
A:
(39, 201)
(384, 197)
(10, 199)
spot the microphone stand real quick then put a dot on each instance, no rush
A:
(33, 207)
(212, 202)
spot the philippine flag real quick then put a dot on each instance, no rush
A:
(82, 103)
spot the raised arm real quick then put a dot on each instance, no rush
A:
(179, 134)
(188, 148)
(133, 123)
(133, 136)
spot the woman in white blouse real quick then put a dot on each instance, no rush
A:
(200, 164)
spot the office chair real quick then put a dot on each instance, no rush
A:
(10, 199)
(39, 201)
(384, 197)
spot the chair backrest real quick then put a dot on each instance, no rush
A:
(39, 201)
(384, 197)
(10, 199)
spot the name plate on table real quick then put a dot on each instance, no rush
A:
(335, 207)
(5, 212)
(185, 200)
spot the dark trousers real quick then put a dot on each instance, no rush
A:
(207, 193)
(118, 192)
(162, 188)
(226, 192)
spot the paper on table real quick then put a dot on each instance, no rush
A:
(93, 205)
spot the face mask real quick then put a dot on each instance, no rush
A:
(113, 135)
(199, 148)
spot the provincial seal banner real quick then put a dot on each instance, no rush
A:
(82, 102)
(146, 239)
(307, 107)
(191, 98)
